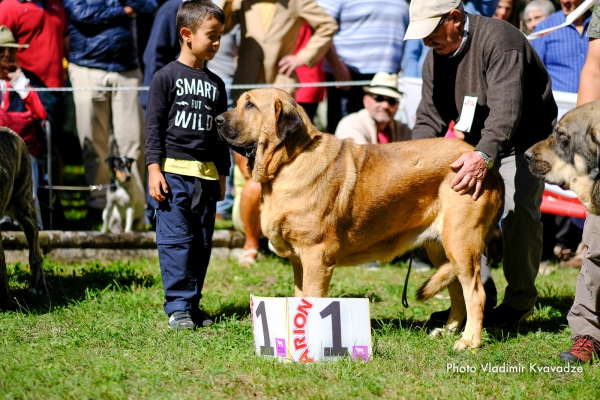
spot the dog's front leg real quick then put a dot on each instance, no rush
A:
(297, 264)
(316, 272)
(105, 217)
(128, 219)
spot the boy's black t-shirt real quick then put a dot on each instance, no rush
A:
(183, 103)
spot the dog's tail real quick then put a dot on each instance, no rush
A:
(441, 279)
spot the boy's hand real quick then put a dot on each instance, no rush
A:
(222, 184)
(156, 183)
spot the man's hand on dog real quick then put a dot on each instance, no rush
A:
(157, 183)
(471, 171)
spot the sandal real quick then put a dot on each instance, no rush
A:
(248, 257)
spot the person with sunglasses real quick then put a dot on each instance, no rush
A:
(375, 123)
(486, 76)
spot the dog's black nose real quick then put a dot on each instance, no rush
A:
(528, 155)
(220, 120)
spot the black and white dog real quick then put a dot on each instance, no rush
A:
(16, 201)
(124, 200)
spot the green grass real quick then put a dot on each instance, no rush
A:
(102, 334)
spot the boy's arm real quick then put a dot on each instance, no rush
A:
(157, 119)
(222, 159)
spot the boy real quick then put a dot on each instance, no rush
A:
(187, 163)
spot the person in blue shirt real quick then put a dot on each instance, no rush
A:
(564, 51)
(103, 52)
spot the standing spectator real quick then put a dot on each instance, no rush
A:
(41, 24)
(103, 52)
(375, 123)
(504, 10)
(369, 41)
(564, 51)
(535, 12)
(584, 315)
(415, 51)
(269, 31)
(309, 97)
(23, 110)
(493, 62)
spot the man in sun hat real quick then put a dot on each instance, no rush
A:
(375, 123)
(484, 75)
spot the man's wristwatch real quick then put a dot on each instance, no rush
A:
(489, 162)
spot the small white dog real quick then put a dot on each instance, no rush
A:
(124, 200)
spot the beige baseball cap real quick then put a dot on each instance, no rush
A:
(384, 84)
(425, 15)
(8, 40)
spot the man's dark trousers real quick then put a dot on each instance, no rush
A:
(184, 240)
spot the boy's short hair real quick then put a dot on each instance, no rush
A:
(193, 13)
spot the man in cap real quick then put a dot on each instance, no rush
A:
(375, 123)
(485, 75)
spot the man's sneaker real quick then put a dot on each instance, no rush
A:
(582, 350)
(505, 316)
(180, 320)
(201, 318)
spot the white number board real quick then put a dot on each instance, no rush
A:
(311, 329)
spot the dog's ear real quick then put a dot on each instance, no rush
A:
(129, 161)
(282, 122)
(109, 161)
(288, 120)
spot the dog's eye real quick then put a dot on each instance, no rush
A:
(563, 139)
(249, 105)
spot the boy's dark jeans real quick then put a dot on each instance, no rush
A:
(184, 240)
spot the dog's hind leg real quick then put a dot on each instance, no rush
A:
(27, 217)
(5, 301)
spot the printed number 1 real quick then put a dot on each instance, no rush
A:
(333, 309)
(267, 349)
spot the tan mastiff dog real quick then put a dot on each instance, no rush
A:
(570, 157)
(328, 202)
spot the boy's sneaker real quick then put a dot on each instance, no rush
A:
(201, 318)
(582, 350)
(180, 320)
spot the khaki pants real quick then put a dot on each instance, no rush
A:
(584, 316)
(521, 232)
(100, 112)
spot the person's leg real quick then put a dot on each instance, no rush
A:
(334, 105)
(310, 109)
(92, 114)
(225, 206)
(522, 234)
(353, 99)
(128, 123)
(35, 175)
(250, 216)
(173, 239)
(584, 316)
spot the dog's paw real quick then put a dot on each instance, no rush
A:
(463, 344)
(438, 332)
(36, 291)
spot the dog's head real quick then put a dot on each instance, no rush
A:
(269, 128)
(569, 158)
(120, 167)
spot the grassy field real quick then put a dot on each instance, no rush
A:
(102, 334)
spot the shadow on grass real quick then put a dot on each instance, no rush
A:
(82, 283)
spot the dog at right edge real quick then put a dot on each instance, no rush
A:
(124, 200)
(570, 157)
(16, 201)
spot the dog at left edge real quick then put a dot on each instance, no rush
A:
(124, 199)
(16, 201)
